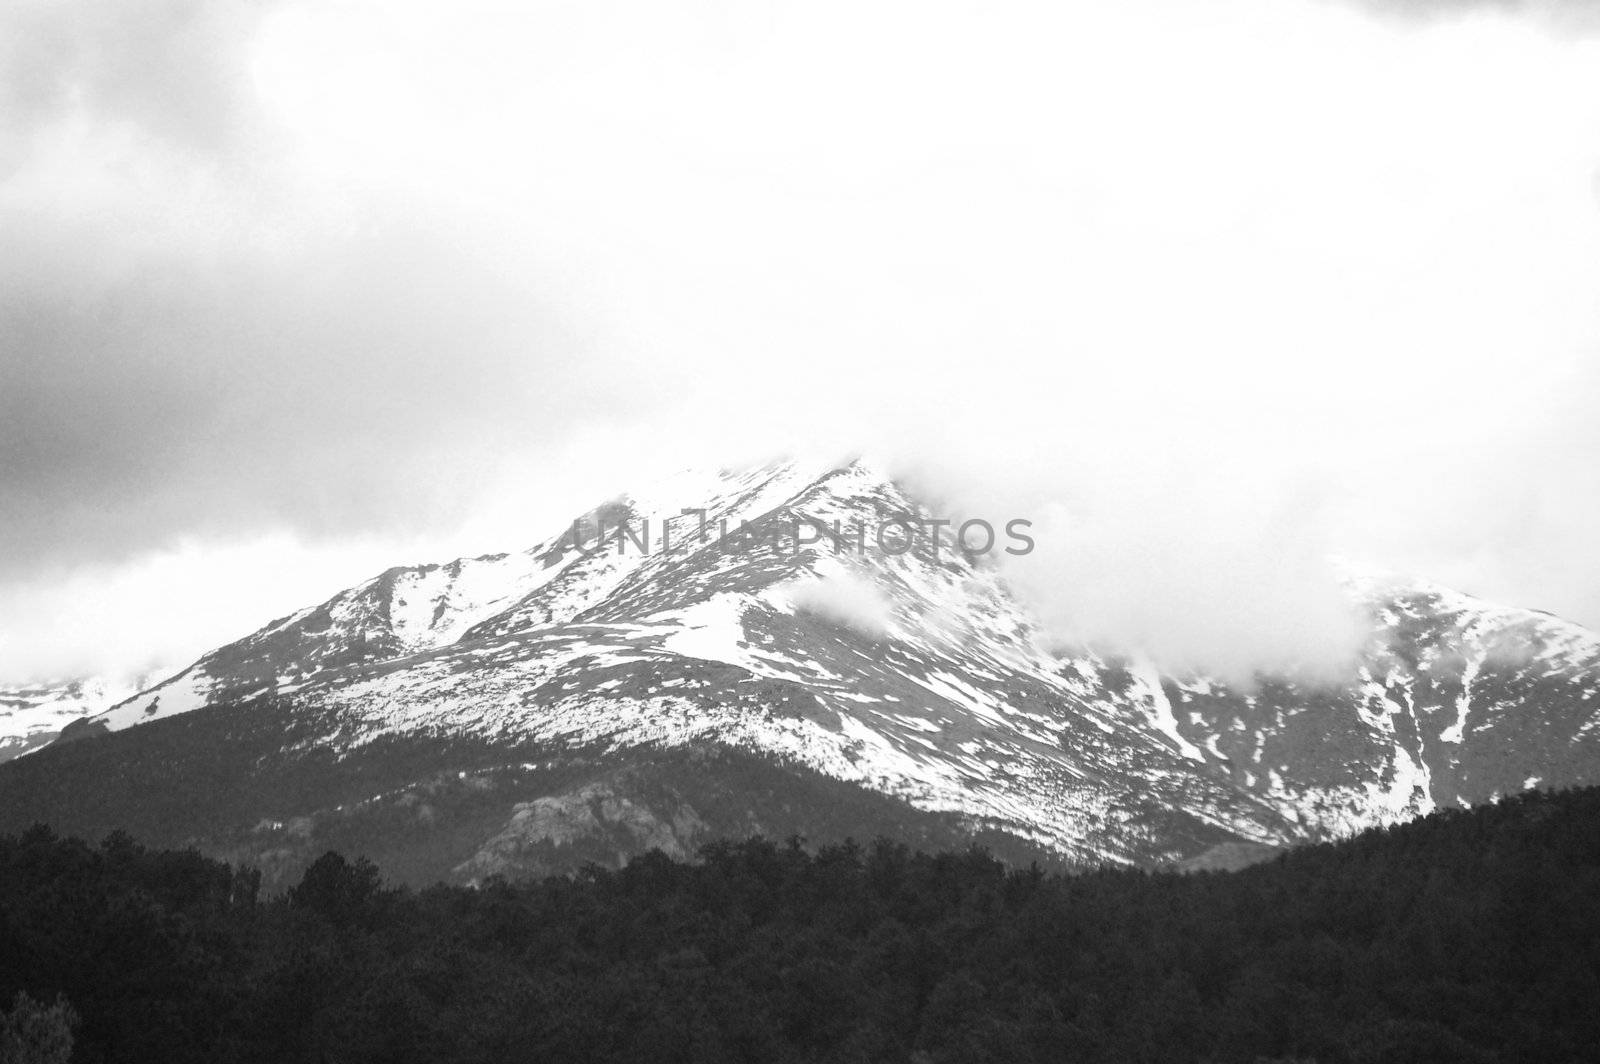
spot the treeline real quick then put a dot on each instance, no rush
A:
(1463, 937)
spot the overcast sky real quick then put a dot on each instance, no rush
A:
(1212, 289)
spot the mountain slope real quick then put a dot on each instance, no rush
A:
(915, 676)
(1456, 702)
(33, 714)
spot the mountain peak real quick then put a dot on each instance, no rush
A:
(741, 610)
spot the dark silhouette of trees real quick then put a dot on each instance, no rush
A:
(32, 1033)
(343, 893)
(1462, 937)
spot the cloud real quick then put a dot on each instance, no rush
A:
(1574, 16)
(1208, 291)
(356, 386)
(173, 69)
(847, 599)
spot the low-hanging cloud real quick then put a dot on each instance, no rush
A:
(847, 599)
(1208, 291)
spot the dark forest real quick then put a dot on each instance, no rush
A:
(1462, 937)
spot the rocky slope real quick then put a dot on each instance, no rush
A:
(584, 700)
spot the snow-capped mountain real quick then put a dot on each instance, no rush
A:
(588, 698)
(33, 714)
(1457, 701)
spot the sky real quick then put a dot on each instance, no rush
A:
(1214, 291)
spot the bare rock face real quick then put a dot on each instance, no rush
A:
(1229, 857)
(544, 834)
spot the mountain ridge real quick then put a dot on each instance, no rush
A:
(950, 701)
(33, 713)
